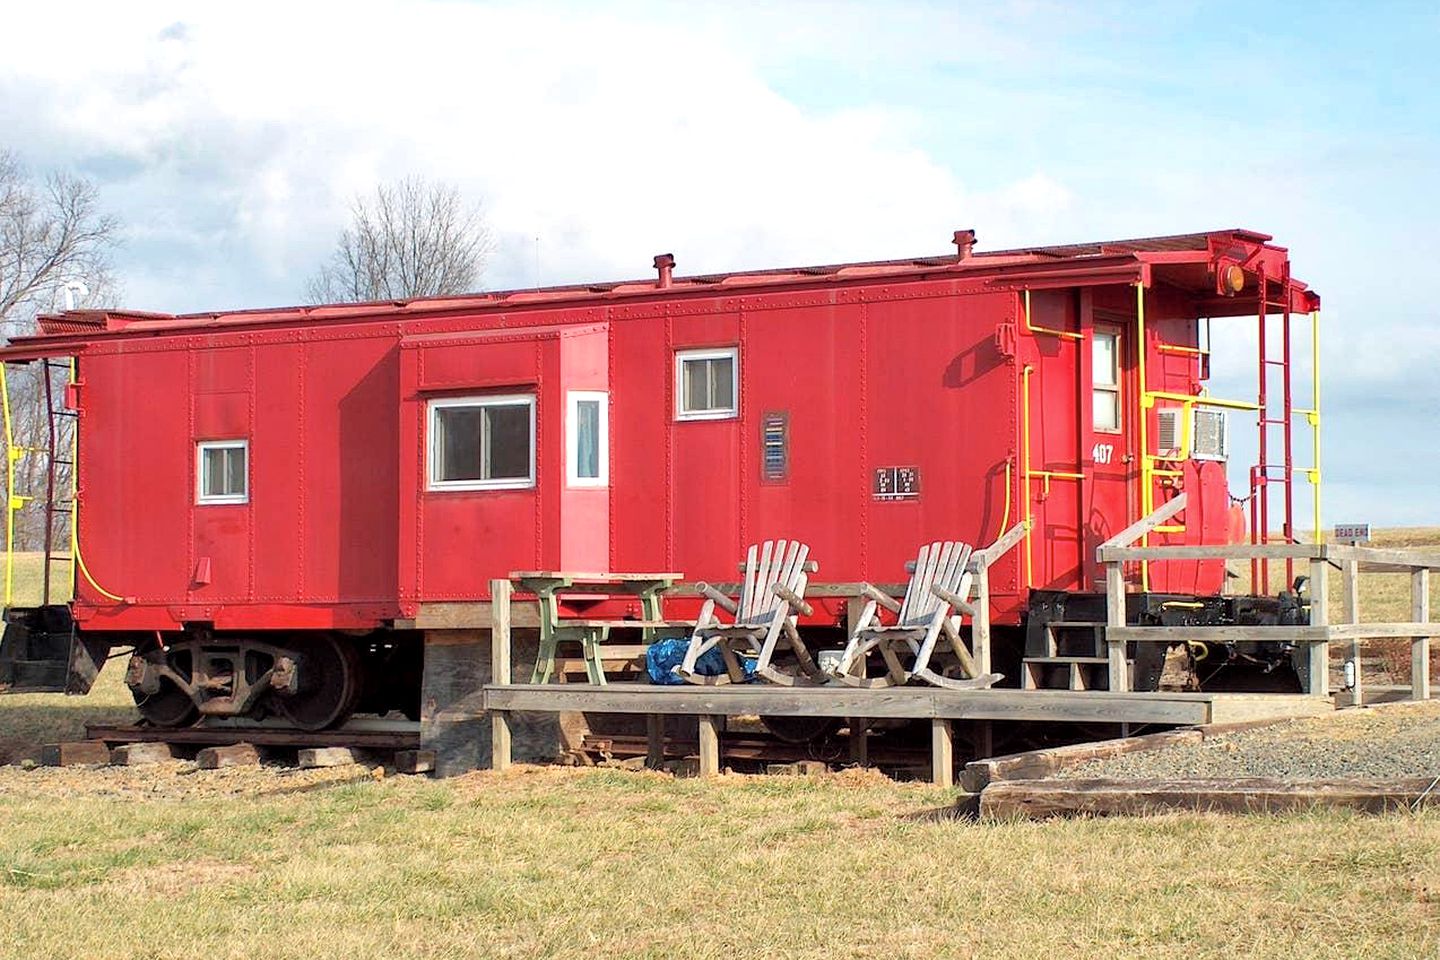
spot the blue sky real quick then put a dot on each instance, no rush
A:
(230, 139)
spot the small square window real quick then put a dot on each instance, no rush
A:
(482, 443)
(222, 471)
(707, 384)
(588, 439)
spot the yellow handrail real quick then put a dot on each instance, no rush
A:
(1029, 475)
(75, 508)
(1199, 399)
(1005, 517)
(1031, 328)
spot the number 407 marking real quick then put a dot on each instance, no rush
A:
(1103, 453)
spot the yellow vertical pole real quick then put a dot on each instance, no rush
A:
(10, 453)
(1146, 494)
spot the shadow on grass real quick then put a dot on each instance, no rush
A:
(965, 808)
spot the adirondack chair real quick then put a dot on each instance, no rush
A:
(934, 602)
(772, 596)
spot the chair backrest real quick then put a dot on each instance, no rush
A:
(766, 564)
(941, 563)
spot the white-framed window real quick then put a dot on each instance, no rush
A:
(587, 438)
(707, 384)
(482, 443)
(222, 471)
(1105, 360)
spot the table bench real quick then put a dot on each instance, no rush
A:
(549, 585)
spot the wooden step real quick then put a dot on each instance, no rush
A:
(1096, 629)
(1079, 673)
(1096, 660)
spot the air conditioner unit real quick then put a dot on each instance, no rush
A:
(1209, 433)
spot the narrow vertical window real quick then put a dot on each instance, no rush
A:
(1106, 381)
(588, 436)
(707, 384)
(222, 471)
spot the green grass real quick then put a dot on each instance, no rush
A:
(27, 576)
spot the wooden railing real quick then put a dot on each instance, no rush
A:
(1313, 665)
(980, 563)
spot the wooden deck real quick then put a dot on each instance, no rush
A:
(1060, 706)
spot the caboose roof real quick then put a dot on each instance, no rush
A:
(1186, 261)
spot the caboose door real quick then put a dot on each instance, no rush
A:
(1114, 456)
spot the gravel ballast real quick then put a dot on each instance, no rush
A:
(1394, 741)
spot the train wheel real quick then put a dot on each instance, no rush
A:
(330, 683)
(169, 706)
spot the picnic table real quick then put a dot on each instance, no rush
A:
(549, 585)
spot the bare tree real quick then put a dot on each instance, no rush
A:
(52, 236)
(413, 238)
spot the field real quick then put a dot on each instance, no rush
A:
(171, 862)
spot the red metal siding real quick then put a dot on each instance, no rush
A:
(925, 375)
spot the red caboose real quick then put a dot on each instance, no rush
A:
(267, 482)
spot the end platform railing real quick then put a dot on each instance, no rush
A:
(1313, 641)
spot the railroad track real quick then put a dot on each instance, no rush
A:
(379, 735)
(741, 749)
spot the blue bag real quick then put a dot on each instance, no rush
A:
(663, 656)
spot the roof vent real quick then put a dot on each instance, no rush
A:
(964, 243)
(665, 263)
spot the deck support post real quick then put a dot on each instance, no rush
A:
(500, 734)
(1350, 603)
(859, 743)
(980, 634)
(710, 744)
(1115, 617)
(942, 753)
(1316, 656)
(984, 739)
(654, 740)
(1420, 646)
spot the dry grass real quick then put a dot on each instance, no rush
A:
(170, 862)
(601, 863)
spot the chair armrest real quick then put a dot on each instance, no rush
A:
(720, 599)
(879, 596)
(791, 597)
(953, 599)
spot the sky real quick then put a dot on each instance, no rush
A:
(231, 139)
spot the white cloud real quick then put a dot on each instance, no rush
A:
(608, 137)
(231, 139)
